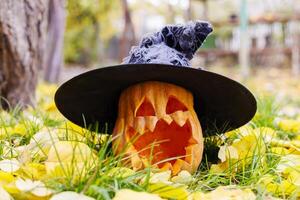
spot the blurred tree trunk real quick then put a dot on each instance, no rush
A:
(295, 49)
(171, 14)
(54, 52)
(128, 36)
(189, 11)
(96, 43)
(23, 26)
(205, 9)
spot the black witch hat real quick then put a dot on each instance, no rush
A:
(221, 104)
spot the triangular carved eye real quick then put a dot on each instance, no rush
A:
(174, 105)
(145, 109)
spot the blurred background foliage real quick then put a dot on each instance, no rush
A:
(90, 25)
(95, 29)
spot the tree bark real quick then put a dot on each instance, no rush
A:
(55, 37)
(23, 25)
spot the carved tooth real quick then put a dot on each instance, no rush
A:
(139, 125)
(180, 165)
(194, 149)
(167, 166)
(177, 166)
(188, 152)
(136, 161)
(192, 140)
(145, 162)
(151, 122)
(179, 117)
(168, 119)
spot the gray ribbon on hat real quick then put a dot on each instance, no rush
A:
(174, 44)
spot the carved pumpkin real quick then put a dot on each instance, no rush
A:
(157, 121)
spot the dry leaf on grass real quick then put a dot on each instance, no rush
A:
(126, 194)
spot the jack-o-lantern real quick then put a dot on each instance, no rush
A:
(157, 125)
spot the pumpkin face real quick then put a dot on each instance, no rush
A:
(156, 122)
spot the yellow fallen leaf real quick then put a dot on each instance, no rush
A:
(24, 154)
(50, 107)
(7, 181)
(183, 177)
(241, 132)
(293, 146)
(227, 152)
(70, 159)
(199, 196)
(120, 172)
(5, 116)
(296, 143)
(245, 130)
(163, 177)
(288, 188)
(280, 143)
(4, 195)
(5, 132)
(230, 193)
(297, 137)
(288, 161)
(37, 188)
(294, 176)
(27, 184)
(279, 150)
(231, 134)
(77, 133)
(69, 195)
(265, 133)
(169, 191)
(241, 151)
(42, 191)
(73, 132)
(41, 142)
(34, 171)
(289, 125)
(67, 151)
(75, 128)
(6, 177)
(36, 121)
(12, 165)
(248, 146)
(282, 188)
(20, 129)
(219, 168)
(126, 194)
(11, 188)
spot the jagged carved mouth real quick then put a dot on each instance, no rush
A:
(168, 144)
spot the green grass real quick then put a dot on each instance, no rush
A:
(99, 181)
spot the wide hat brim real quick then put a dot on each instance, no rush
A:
(90, 100)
